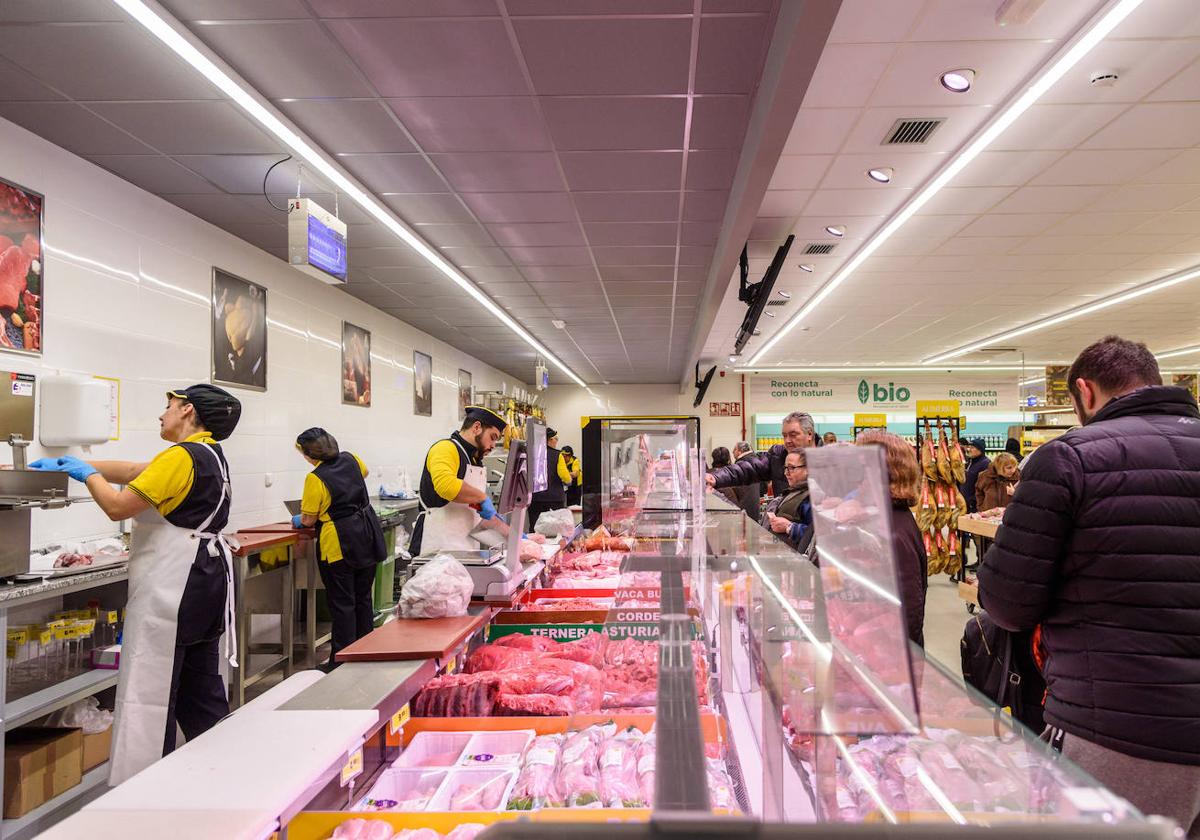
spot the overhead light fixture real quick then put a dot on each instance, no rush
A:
(785, 295)
(1071, 314)
(836, 230)
(885, 369)
(183, 44)
(807, 267)
(734, 357)
(882, 175)
(1070, 55)
(958, 81)
(559, 325)
(1182, 351)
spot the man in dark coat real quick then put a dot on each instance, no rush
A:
(977, 462)
(748, 495)
(799, 432)
(1101, 547)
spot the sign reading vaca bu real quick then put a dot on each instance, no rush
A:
(781, 393)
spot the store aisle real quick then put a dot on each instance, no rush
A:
(945, 616)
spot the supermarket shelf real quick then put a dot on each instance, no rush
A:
(46, 814)
(56, 696)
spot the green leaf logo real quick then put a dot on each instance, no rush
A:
(864, 391)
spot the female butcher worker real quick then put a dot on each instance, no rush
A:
(348, 534)
(180, 576)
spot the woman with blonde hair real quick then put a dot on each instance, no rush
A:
(909, 550)
(996, 485)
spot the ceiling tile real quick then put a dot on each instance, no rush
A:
(582, 274)
(629, 206)
(820, 130)
(407, 58)
(564, 256)
(521, 207)
(154, 173)
(134, 66)
(430, 208)
(965, 200)
(599, 56)
(1049, 199)
(189, 128)
(1134, 198)
(348, 125)
(622, 170)
(632, 233)
(642, 273)
(469, 257)
(705, 205)
(911, 79)
(1183, 168)
(719, 122)
(519, 8)
(960, 123)
(500, 171)
(72, 127)
(1142, 66)
(862, 202)
(234, 9)
(1001, 169)
(601, 123)
(641, 255)
(473, 124)
(245, 173)
(731, 53)
(1110, 166)
(226, 210)
(865, 21)
(394, 173)
(846, 75)
(1158, 125)
(711, 170)
(445, 236)
(537, 234)
(799, 172)
(18, 85)
(390, 8)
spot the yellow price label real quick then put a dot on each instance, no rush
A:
(962, 423)
(12, 650)
(871, 421)
(399, 719)
(18, 636)
(111, 617)
(452, 665)
(57, 623)
(45, 637)
(938, 408)
(354, 767)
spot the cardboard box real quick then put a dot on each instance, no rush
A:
(39, 764)
(96, 748)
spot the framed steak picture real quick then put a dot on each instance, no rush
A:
(464, 391)
(422, 384)
(21, 265)
(239, 332)
(356, 365)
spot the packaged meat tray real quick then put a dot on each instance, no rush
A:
(403, 789)
(497, 749)
(434, 749)
(474, 790)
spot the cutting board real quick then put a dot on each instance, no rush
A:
(413, 638)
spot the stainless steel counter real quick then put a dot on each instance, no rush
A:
(15, 594)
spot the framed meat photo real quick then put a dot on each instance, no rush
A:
(21, 265)
(356, 365)
(239, 332)
(465, 391)
(422, 384)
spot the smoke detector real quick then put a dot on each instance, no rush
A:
(1104, 78)
(559, 325)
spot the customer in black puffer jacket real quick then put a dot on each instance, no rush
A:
(1101, 547)
(799, 433)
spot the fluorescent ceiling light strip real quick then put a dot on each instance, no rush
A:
(1033, 380)
(911, 369)
(1071, 314)
(1183, 351)
(1096, 33)
(158, 26)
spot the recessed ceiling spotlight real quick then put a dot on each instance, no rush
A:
(958, 81)
(733, 357)
(807, 267)
(881, 174)
(785, 295)
(836, 230)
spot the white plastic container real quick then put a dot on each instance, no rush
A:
(497, 749)
(403, 789)
(434, 749)
(496, 785)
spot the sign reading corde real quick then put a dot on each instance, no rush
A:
(900, 392)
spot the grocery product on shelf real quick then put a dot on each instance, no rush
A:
(367, 829)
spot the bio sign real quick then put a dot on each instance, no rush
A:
(878, 394)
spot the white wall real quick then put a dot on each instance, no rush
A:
(128, 279)
(567, 404)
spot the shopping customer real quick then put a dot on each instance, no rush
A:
(977, 462)
(799, 432)
(722, 458)
(829, 438)
(1013, 447)
(907, 545)
(790, 515)
(995, 486)
(1101, 547)
(748, 494)
(349, 537)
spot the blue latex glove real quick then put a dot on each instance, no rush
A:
(76, 468)
(296, 523)
(486, 509)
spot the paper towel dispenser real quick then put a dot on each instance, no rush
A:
(75, 410)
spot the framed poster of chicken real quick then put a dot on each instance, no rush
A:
(21, 265)
(239, 332)
(356, 365)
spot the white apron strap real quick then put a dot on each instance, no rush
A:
(219, 545)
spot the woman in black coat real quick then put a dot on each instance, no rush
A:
(908, 547)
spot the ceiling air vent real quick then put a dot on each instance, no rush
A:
(819, 248)
(777, 303)
(911, 131)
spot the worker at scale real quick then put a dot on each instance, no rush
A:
(558, 476)
(575, 488)
(180, 577)
(349, 536)
(454, 487)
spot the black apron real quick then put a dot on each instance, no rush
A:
(350, 513)
(555, 494)
(574, 489)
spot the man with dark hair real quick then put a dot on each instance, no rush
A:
(748, 495)
(1101, 548)
(799, 432)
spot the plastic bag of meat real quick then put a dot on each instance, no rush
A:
(531, 552)
(421, 834)
(535, 784)
(535, 680)
(647, 756)
(499, 658)
(523, 642)
(588, 689)
(439, 589)
(578, 784)
(466, 831)
(618, 770)
(358, 829)
(589, 649)
(720, 786)
(556, 523)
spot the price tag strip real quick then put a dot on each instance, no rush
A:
(353, 767)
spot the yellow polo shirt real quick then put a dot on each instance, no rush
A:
(315, 501)
(167, 479)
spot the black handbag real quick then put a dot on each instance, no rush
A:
(1000, 665)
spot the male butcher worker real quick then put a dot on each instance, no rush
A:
(454, 487)
(180, 576)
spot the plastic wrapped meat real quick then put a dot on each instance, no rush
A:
(646, 758)
(589, 648)
(1003, 788)
(523, 642)
(439, 589)
(531, 551)
(418, 834)
(479, 794)
(618, 770)
(535, 784)
(720, 786)
(578, 778)
(358, 829)
(498, 658)
(466, 831)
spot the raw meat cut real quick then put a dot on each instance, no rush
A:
(498, 658)
(69, 561)
(466, 831)
(481, 793)
(540, 705)
(535, 784)
(358, 829)
(578, 778)
(523, 642)
(618, 771)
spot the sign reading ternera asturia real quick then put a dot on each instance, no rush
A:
(874, 393)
